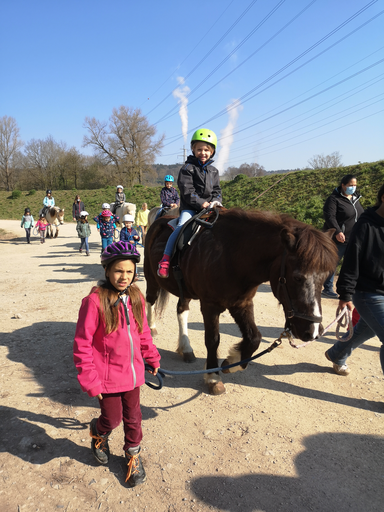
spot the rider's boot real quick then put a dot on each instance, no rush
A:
(163, 268)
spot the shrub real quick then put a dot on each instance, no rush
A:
(16, 194)
(32, 192)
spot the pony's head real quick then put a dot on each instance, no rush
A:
(57, 214)
(307, 258)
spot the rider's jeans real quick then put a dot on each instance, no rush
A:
(185, 215)
(370, 307)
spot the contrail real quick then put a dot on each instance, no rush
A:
(234, 109)
(181, 95)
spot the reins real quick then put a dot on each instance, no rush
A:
(342, 318)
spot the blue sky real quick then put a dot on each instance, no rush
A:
(246, 65)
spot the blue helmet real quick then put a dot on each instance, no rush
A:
(169, 177)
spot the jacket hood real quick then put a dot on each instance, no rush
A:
(195, 161)
(355, 195)
(373, 217)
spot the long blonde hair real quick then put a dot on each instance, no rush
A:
(110, 313)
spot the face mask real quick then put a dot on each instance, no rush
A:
(350, 190)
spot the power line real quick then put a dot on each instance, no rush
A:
(209, 52)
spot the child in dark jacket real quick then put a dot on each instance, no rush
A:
(111, 341)
(106, 226)
(168, 195)
(128, 233)
(119, 198)
(199, 186)
(83, 231)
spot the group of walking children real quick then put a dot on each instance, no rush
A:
(112, 321)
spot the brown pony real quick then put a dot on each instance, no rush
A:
(223, 268)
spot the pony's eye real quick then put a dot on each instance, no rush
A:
(298, 279)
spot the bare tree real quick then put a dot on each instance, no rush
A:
(127, 142)
(10, 144)
(325, 162)
(42, 158)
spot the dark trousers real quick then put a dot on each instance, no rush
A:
(122, 406)
(28, 234)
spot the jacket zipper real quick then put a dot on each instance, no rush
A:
(130, 341)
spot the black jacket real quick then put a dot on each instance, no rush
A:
(363, 266)
(341, 213)
(198, 184)
(76, 209)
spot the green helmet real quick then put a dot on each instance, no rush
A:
(204, 135)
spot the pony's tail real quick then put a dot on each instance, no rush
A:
(161, 302)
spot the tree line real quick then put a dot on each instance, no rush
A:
(125, 149)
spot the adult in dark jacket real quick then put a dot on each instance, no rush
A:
(361, 280)
(77, 208)
(341, 211)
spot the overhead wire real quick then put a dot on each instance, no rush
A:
(209, 52)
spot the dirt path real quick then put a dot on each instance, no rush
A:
(288, 435)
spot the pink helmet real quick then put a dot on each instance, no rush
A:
(106, 213)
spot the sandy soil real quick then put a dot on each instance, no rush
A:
(288, 434)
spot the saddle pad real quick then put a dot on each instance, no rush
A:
(173, 223)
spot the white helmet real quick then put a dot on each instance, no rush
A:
(128, 218)
(120, 186)
(105, 206)
(84, 214)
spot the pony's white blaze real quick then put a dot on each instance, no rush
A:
(311, 297)
(184, 344)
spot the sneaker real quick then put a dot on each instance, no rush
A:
(339, 369)
(329, 294)
(99, 445)
(80, 250)
(87, 253)
(163, 268)
(136, 472)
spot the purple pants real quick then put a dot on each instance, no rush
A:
(122, 406)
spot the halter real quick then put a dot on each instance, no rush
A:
(283, 285)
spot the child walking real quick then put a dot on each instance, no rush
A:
(84, 231)
(199, 185)
(41, 225)
(27, 222)
(106, 226)
(128, 233)
(142, 220)
(112, 338)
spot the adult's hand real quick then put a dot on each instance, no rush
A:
(342, 304)
(340, 237)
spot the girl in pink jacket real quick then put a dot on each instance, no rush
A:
(112, 338)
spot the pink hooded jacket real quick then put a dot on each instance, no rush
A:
(111, 363)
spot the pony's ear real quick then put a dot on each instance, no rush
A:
(288, 239)
(329, 232)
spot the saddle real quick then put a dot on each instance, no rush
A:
(206, 218)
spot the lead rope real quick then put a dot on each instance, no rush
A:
(342, 319)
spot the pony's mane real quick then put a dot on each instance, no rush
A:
(315, 250)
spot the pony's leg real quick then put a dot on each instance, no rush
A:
(151, 318)
(184, 348)
(212, 339)
(244, 317)
(57, 232)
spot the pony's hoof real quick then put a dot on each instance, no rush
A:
(225, 363)
(216, 388)
(189, 357)
(154, 332)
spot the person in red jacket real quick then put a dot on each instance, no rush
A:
(111, 341)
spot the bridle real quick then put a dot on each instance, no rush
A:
(282, 285)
